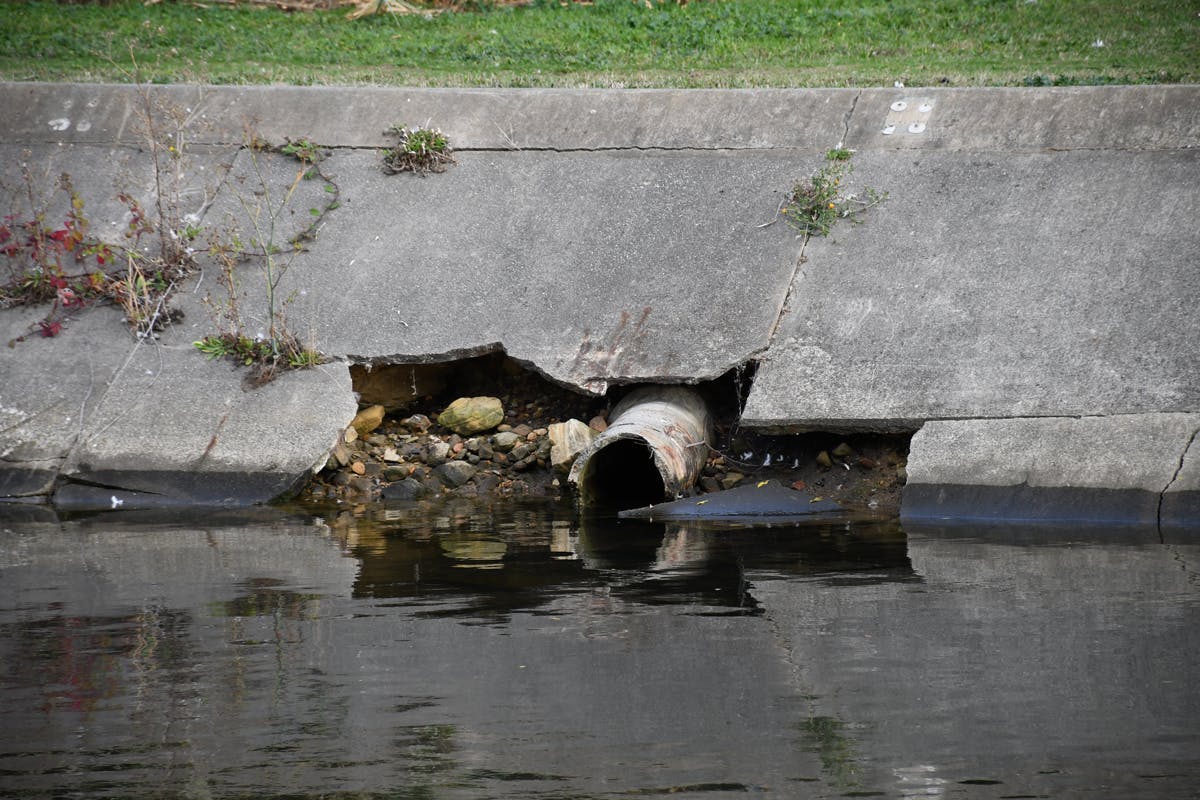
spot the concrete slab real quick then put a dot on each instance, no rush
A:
(1015, 120)
(99, 173)
(486, 119)
(1111, 470)
(176, 429)
(595, 268)
(996, 285)
(1180, 508)
(48, 389)
(1035, 259)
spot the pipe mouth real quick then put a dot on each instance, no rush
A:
(622, 475)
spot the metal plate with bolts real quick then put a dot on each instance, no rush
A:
(908, 116)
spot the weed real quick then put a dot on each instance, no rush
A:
(816, 202)
(61, 265)
(419, 150)
(264, 358)
(277, 348)
(302, 150)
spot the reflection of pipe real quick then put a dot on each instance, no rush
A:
(654, 449)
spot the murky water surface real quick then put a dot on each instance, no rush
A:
(514, 650)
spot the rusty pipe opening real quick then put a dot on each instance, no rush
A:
(654, 450)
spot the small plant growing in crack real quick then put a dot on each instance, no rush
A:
(419, 150)
(276, 348)
(817, 202)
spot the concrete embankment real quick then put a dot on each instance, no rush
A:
(1025, 300)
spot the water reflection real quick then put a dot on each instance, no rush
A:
(492, 562)
(474, 650)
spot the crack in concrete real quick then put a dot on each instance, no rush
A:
(846, 120)
(1174, 477)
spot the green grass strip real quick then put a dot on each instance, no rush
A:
(615, 43)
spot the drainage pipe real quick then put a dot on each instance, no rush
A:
(653, 450)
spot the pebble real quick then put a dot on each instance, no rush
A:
(417, 422)
(731, 479)
(455, 473)
(505, 441)
(368, 420)
(407, 489)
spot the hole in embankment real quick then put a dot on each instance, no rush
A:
(859, 470)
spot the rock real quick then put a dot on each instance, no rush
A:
(340, 454)
(731, 479)
(824, 460)
(567, 440)
(392, 474)
(368, 420)
(598, 424)
(522, 451)
(358, 467)
(486, 482)
(377, 440)
(362, 485)
(390, 454)
(436, 454)
(504, 441)
(522, 430)
(407, 489)
(455, 473)
(470, 415)
(350, 436)
(843, 450)
(709, 485)
(417, 423)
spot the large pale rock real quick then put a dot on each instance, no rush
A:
(367, 420)
(470, 415)
(567, 440)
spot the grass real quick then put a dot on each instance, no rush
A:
(616, 43)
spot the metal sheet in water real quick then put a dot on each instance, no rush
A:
(767, 502)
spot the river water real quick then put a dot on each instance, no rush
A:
(479, 650)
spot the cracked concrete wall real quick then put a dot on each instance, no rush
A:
(619, 237)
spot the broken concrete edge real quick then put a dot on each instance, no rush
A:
(590, 386)
(1031, 118)
(1124, 470)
